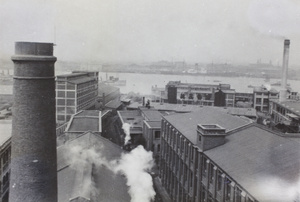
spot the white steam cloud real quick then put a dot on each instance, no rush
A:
(126, 128)
(271, 188)
(135, 165)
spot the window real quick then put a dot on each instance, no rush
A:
(229, 96)
(199, 138)
(211, 173)
(157, 134)
(238, 195)
(71, 94)
(61, 102)
(70, 102)
(60, 93)
(258, 100)
(60, 118)
(60, 109)
(204, 165)
(219, 180)
(228, 188)
(158, 148)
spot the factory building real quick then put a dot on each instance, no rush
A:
(199, 94)
(74, 92)
(210, 155)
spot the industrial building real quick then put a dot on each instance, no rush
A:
(5, 158)
(200, 94)
(74, 92)
(262, 96)
(210, 155)
(285, 115)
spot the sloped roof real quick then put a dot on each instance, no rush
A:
(109, 186)
(187, 123)
(253, 156)
(152, 115)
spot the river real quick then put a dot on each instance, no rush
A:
(142, 83)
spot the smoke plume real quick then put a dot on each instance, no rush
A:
(135, 165)
(126, 128)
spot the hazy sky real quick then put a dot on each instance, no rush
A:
(151, 30)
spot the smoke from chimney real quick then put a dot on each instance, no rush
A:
(285, 63)
(126, 128)
(135, 165)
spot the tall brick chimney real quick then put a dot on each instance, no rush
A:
(33, 159)
(285, 64)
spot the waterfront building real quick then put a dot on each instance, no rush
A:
(74, 92)
(200, 94)
(262, 96)
(285, 115)
(210, 155)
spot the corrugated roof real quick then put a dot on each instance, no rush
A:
(187, 123)
(108, 185)
(253, 156)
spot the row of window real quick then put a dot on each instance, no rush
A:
(174, 166)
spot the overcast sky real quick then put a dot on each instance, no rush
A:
(229, 31)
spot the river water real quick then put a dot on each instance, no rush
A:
(142, 83)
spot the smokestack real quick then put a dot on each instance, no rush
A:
(33, 156)
(285, 63)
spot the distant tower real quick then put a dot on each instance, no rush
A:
(285, 63)
(33, 158)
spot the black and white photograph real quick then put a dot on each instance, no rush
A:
(149, 101)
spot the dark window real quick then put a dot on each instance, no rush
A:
(157, 134)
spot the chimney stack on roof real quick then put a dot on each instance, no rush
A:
(33, 157)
